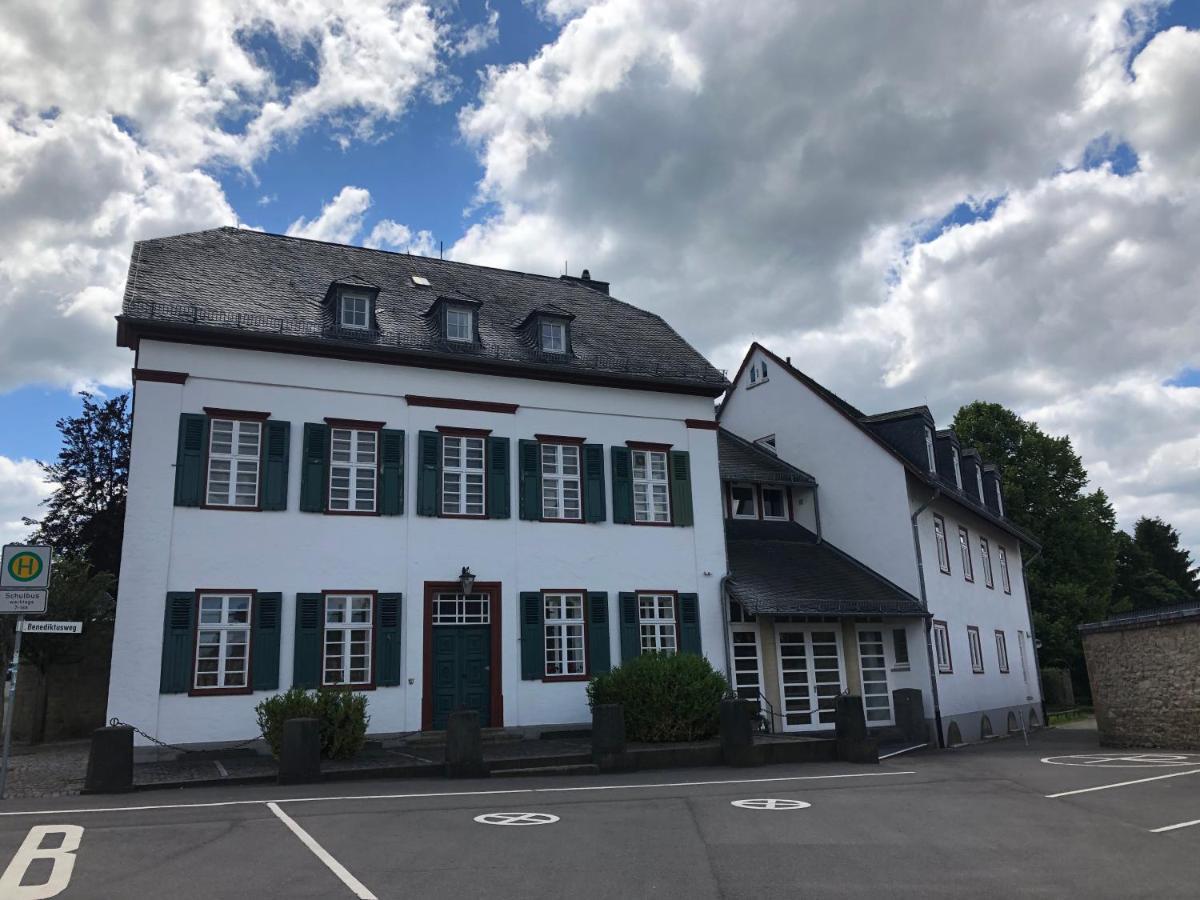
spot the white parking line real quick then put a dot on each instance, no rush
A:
(1173, 827)
(1105, 787)
(322, 854)
(597, 787)
(904, 750)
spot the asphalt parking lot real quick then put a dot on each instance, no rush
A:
(988, 820)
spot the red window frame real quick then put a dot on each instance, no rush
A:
(942, 544)
(325, 595)
(587, 657)
(964, 545)
(235, 415)
(937, 625)
(975, 641)
(194, 691)
(355, 425)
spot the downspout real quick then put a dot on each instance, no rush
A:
(728, 636)
(916, 533)
(1037, 666)
(817, 512)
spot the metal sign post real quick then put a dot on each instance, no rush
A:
(10, 700)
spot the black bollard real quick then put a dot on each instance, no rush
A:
(737, 733)
(608, 736)
(300, 753)
(110, 761)
(910, 714)
(853, 742)
(464, 745)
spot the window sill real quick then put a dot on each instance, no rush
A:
(350, 512)
(562, 521)
(755, 384)
(215, 506)
(551, 679)
(462, 516)
(219, 692)
(902, 668)
(652, 524)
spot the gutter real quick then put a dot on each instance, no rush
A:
(937, 706)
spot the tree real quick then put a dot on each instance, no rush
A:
(1160, 542)
(86, 513)
(1152, 570)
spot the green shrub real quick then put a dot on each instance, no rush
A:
(666, 698)
(341, 713)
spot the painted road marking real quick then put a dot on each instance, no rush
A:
(765, 803)
(905, 750)
(62, 863)
(1173, 827)
(1105, 787)
(599, 787)
(1124, 760)
(322, 854)
(516, 819)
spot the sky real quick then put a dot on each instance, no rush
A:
(918, 203)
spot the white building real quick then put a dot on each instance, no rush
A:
(941, 605)
(357, 467)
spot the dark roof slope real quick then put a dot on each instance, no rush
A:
(741, 460)
(780, 568)
(247, 288)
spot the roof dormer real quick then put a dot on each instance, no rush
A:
(351, 304)
(910, 433)
(948, 456)
(456, 320)
(972, 475)
(991, 489)
(548, 328)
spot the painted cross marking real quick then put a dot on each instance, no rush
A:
(766, 803)
(525, 818)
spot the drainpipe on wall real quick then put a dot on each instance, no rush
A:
(1037, 666)
(728, 636)
(817, 513)
(916, 533)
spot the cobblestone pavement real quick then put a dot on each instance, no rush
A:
(47, 770)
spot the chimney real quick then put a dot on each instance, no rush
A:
(585, 280)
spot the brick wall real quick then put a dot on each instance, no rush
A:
(1146, 684)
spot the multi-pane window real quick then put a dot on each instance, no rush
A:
(774, 503)
(348, 625)
(1004, 582)
(233, 460)
(554, 337)
(462, 609)
(929, 450)
(656, 623)
(560, 482)
(651, 492)
(976, 649)
(964, 545)
(1002, 651)
(985, 557)
(355, 311)
(353, 467)
(223, 642)
(458, 325)
(564, 635)
(462, 476)
(742, 501)
(957, 468)
(900, 647)
(939, 537)
(941, 648)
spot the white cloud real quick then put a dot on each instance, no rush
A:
(389, 235)
(21, 490)
(341, 219)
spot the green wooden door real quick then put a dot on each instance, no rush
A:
(462, 671)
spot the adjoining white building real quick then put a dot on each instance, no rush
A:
(940, 603)
(356, 467)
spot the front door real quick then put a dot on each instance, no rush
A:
(461, 671)
(810, 674)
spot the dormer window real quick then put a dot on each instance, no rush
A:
(554, 337)
(999, 502)
(929, 450)
(354, 311)
(957, 469)
(979, 484)
(460, 325)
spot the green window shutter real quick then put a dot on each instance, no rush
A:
(306, 655)
(189, 459)
(593, 482)
(631, 640)
(391, 473)
(622, 488)
(277, 437)
(178, 627)
(264, 642)
(681, 487)
(530, 462)
(533, 637)
(314, 474)
(599, 654)
(499, 504)
(689, 624)
(387, 641)
(429, 472)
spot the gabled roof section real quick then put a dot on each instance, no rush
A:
(740, 460)
(236, 287)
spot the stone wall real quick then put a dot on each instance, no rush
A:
(1146, 684)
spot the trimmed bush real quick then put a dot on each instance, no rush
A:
(665, 697)
(342, 715)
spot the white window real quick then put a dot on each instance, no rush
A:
(976, 649)
(979, 484)
(355, 311)
(985, 556)
(560, 482)
(233, 460)
(753, 375)
(941, 648)
(554, 337)
(1007, 585)
(349, 621)
(462, 476)
(767, 443)
(743, 501)
(462, 609)
(929, 449)
(223, 642)
(939, 537)
(651, 493)
(774, 503)
(353, 465)
(459, 325)
(758, 372)
(564, 635)
(999, 500)
(964, 546)
(957, 468)
(1002, 651)
(656, 621)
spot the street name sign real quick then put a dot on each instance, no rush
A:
(25, 568)
(35, 627)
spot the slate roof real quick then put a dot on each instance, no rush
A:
(246, 288)
(740, 460)
(1145, 618)
(779, 568)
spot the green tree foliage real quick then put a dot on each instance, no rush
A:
(85, 516)
(1152, 569)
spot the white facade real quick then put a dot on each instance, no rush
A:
(171, 548)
